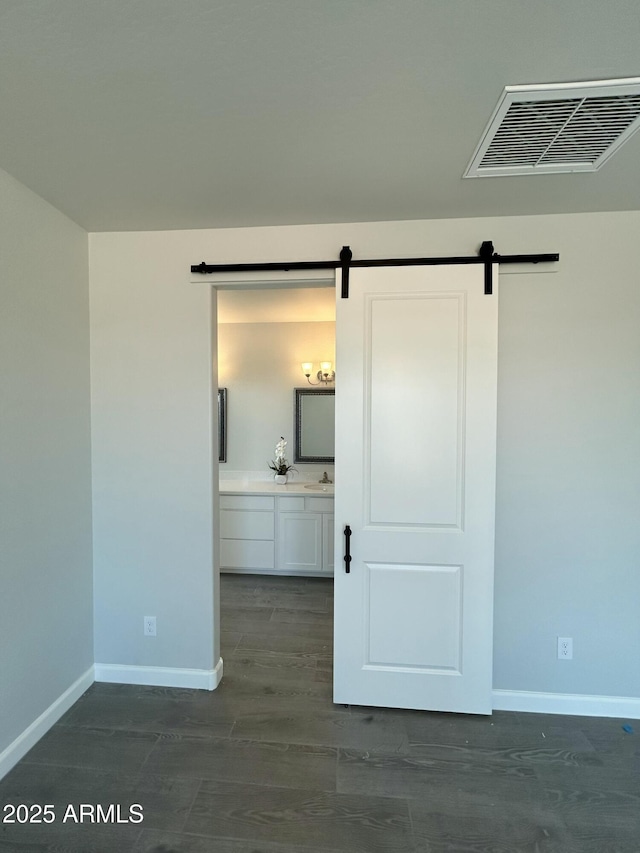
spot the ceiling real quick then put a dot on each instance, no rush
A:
(166, 114)
(291, 305)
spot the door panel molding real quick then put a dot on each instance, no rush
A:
(415, 467)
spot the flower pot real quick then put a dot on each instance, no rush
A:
(280, 479)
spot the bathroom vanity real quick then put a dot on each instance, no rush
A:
(270, 529)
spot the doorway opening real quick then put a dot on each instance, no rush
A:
(275, 541)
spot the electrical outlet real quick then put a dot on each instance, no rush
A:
(149, 626)
(565, 648)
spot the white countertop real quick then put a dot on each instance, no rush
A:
(265, 487)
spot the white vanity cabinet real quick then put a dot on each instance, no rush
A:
(279, 534)
(247, 532)
(305, 535)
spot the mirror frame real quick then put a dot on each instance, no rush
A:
(300, 393)
(222, 424)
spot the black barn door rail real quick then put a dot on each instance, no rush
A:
(486, 255)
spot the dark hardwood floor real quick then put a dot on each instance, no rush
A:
(267, 764)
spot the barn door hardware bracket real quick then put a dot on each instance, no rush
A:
(488, 256)
(346, 256)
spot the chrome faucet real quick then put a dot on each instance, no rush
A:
(325, 479)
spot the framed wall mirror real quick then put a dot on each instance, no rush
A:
(315, 425)
(222, 424)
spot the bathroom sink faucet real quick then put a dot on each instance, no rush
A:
(325, 479)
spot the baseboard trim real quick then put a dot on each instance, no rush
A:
(39, 727)
(567, 703)
(160, 676)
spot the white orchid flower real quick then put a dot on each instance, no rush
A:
(279, 464)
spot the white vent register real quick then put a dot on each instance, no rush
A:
(557, 127)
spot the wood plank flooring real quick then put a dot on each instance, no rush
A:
(267, 764)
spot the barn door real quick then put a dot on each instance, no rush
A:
(415, 468)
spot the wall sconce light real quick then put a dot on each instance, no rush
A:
(324, 375)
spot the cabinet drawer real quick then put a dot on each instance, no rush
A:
(247, 502)
(291, 504)
(246, 554)
(318, 504)
(246, 524)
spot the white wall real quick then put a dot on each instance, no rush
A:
(259, 363)
(153, 503)
(46, 639)
(568, 541)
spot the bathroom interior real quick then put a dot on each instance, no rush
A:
(265, 336)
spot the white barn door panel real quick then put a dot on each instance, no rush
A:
(415, 466)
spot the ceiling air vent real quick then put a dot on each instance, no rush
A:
(557, 127)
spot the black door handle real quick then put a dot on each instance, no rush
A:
(347, 549)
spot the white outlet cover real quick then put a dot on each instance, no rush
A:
(565, 648)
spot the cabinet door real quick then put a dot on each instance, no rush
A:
(327, 543)
(300, 542)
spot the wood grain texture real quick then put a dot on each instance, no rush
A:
(351, 823)
(268, 764)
